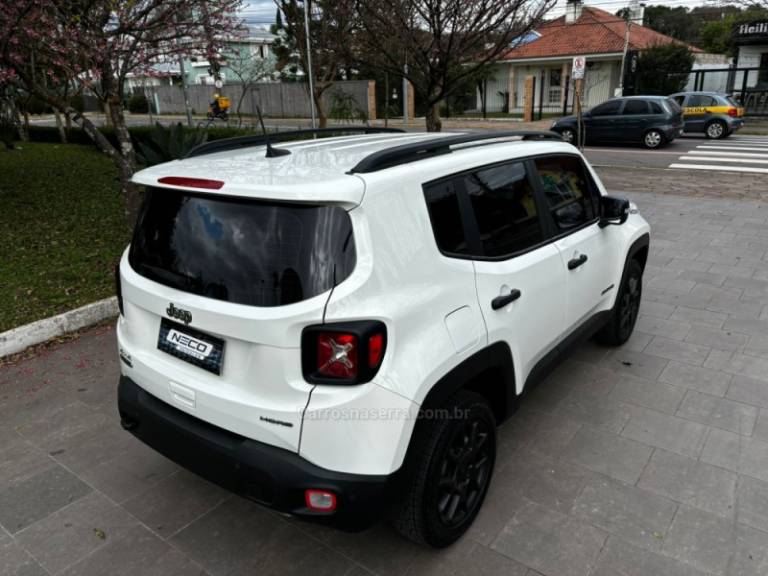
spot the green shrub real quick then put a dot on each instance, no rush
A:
(138, 103)
(165, 144)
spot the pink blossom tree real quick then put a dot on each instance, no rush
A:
(96, 44)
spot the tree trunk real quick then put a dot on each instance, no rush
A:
(322, 118)
(25, 137)
(127, 164)
(433, 118)
(60, 126)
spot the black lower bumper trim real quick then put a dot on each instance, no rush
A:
(271, 476)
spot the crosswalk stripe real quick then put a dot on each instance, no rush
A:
(720, 168)
(722, 153)
(753, 148)
(718, 159)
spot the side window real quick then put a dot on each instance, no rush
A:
(503, 202)
(700, 100)
(679, 99)
(655, 107)
(443, 207)
(610, 108)
(572, 196)
(635, 107)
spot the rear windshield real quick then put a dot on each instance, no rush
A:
(674, 106)
(731, 101)
(241, 250)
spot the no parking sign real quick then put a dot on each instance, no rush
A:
(579, 67)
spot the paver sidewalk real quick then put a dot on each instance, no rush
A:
(649, 460)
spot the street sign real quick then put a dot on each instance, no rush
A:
(579, 67)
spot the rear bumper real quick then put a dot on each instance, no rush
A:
(271, 476)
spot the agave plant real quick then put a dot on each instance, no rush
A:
(166, 144)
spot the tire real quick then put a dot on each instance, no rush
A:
(716, 130)
(450, 472)
(568, 135)
(653, 139)
(619, 328)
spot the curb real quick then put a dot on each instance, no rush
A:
(18, 339)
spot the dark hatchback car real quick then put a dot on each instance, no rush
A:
(649, 120)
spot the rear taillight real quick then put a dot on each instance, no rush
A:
(733, 112)
(343, 352)
(119, 289)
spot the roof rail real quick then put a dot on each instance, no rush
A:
(260, 139)
(407, 153)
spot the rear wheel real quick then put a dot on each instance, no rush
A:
(452, 469)
(716, 130)
(653, 139)
(627, 307)
(568, 135)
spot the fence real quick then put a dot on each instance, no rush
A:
(275, 99)
(748, 86)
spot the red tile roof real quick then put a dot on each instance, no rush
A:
(595, 32)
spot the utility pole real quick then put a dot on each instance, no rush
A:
(184, 90)
(405, 93)
(309, 65)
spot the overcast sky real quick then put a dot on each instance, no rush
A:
(262, 12)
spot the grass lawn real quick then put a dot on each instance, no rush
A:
(62, 230)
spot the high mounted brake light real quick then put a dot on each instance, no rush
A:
(343, 352)
(191, 182)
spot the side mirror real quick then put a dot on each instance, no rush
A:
(613, 210)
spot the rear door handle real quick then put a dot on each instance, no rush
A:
(504, 299)
(576, 262)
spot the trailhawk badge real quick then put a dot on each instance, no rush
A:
(179, 313)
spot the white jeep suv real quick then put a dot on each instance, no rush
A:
(336, 327)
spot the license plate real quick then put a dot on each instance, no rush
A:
(190, 345)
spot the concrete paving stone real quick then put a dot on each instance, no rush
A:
(700, 277)
(93, 447)
(20, 460)
(701, 539)
(738, 453)
(690, 482)
(747, 283)
(129, 473)
(66, 422)
(595, 411)
(590, 352)
(696, 378)
(752, 503)
(751, 552)
(15, 561)
(550, 542)
(734, 307)
(573, 375)
(227, 536)
(30, 500)
(710, 292)
(732, 271)
(174, 502)
(501, 503)
(637, 516)
(637, 341)
(464, 557)
(760, 431)
(681, 252)
(688, 265)
(749, 391)
(718, 412)
(666, 432)
(68, 535)
(674, 330)
(676, 299)
(753, 327)
(636, 364)
(717, 338)
(542, 479)
(621, 558)
(545, 433)
(676, 350)
(136, 552)
(718, 359)
(698, 316)
(617, 457)
(656, 309)
(752, 366)
(648, 393)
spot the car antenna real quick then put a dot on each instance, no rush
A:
(271, 152)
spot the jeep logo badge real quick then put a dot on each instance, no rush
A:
(178, 313)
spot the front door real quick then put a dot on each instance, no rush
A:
(589, 254)
(600, 123)
(520, 277)
(633, 120)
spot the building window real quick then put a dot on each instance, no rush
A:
(762, 75)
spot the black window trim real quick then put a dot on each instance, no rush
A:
(472, 231)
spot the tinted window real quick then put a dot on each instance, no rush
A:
(443, 206)
(240, 250)
(635, 107)
(655, 107)
(674, 105)
(678, 99)
(571, 195)
(505, 210)
(609, 108)
(697, 100)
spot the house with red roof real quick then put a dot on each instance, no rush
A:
(547, 54)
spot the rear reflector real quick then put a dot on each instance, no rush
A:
(375, 350)
(191, 182)
(320, 500)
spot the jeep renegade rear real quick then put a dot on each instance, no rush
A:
(336, 331)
